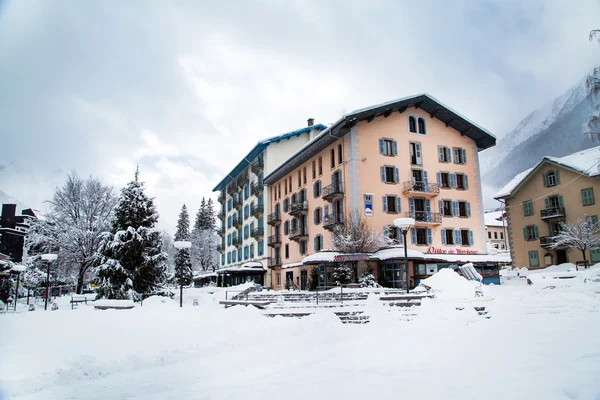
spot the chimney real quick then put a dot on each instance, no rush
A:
(311, 121)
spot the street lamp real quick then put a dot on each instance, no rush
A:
(18, 268)
(48, 258)
(404, 224)
(181, 244)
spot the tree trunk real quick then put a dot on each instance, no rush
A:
(80, 277)
(584, 258)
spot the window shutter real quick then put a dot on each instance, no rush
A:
(386, 231)
(557, 177)
(326, 212)
(466, 181)
(550, 229)
(385, 207)
(382, 174)
(456, 156)
(464, 156)
(381, 146)
(315, 216)
(547, 202)
(395, 145)
(455, 209)
(536, 232)
(418, 153)
(397, 173)
(429, 236)
(468, 209)
(525, 233)
(440, 153)
(398, 204)
(411, 207)
(560, 201)
(545, 178)
(427, 205)
(453, 181)
(443, 236)
(439, 179)
(457, 237)
(441, 203)
(413, 235)
(425, 177)
(315, 243)
(471, 242)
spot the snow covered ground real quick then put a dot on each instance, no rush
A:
(538, 344)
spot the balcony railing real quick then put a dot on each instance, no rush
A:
(547, 241)
(257, 232)
(237, 222)
(274, 262)
(221, 248)
(332, 192)
(237, 242)
(258, 166)
(242, 179)
(257, 210)
(425, 217)
(221, 215)
(332, 220)
(258, 188)
(298, 232)
(274, 218)
(421, 187)
(273, 240)
(299, 207)
(553, 212)
(221, 232)
(221, 198)
(232, 187)
(236, 203)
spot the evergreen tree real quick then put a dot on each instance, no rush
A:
(200, 217)
(130, 260)
(210, 216)
(183, 261)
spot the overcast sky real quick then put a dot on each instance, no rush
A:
(185, 89)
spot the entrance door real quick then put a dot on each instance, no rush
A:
(304, 279)
(289, 280)
(561, 257)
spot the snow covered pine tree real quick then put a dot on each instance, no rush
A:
(205, 255)
(130, 260)
(183, 262)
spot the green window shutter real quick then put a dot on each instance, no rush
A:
(595, 255)
(550, 229)
(547, 202)
(556, 174)
(525, 233)
(545, 178)
(536, 232)
(560, 201)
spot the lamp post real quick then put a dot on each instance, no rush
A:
(48, 258)
(404, 224)
(179, 245)
(18, 268)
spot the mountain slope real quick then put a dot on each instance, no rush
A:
(556, 129)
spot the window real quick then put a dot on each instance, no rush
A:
(320, 161)
(551, 178)
(466, 237)
(444, 180)
(495, 235)
(286, 227)
(592, 221)
(394, 234)
(448, 236)
(261, 248)
(534, 259)
(229, 204)
(446, 208)
(314, 169)
(332, 157)
(390, 174)
(421, 123)
(278, 278)
(444, 154)
(388, 147)
(530, 233)
(304, 175)
(461, 181)
(528, 208)
(286, 204)
(412, 124)
(299, 178)
(587, 196)
(287, 250)
(318, 243)
(279, 191)
(340, 154)
(501, 235)
(415, 153)
(464, 209)
(595, 253)
(285, 186)
(302, 247)
(489, 235)
(421, 236)
(290, 184)
(460, 155)
(391, 204)
(317, 189)
(318, 217)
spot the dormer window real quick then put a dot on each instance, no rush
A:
(421, 123)
(412, 124)
(551, 178)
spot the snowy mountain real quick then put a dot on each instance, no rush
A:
(6, 199)
(556, 129)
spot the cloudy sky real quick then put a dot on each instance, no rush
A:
(185, 89)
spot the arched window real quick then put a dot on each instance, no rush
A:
(551, 178)
(412, 124)
(422, 126)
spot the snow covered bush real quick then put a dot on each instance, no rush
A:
(313, 279)
(342, 274)
(367, 279)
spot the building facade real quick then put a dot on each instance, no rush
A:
(413, 157)
(243, 206)
(13, 228)
(495, 229)
(537, 201)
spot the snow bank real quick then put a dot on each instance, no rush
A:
(113, 304)
(157, 302)
(447, 284)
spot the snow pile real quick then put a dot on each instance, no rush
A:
(447, 284)
(157, 302)
(116, 304)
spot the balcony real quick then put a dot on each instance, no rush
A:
(333, 192)
(258, 166)
(221, 232)
(274, 240)
(257, 232)
(257, 210)
(242, 179)
(236, 203)
(299, 208)
(232, 187)
(331, 221)
(221, 198)
(421, 188)
(221, 215)
(425, 217)
(298, 233)
(258, 188)
(221, 249)
(274, 262)
(553, 212)
(237, 242)
(237, 222)
(274, 219)
(546, 241)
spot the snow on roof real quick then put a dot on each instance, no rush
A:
(322, 256)
(493, 218)
(586, 162)
(396, 252)
(292, 265)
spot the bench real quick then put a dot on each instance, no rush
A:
(77, 300)
(257, 304)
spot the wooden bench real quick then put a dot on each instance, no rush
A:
(77, 300)
(257, 304)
